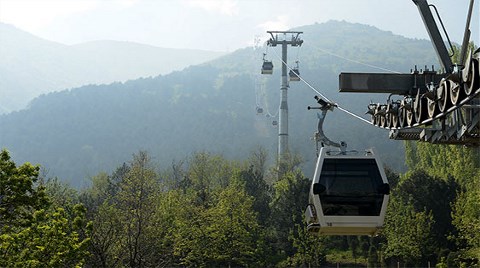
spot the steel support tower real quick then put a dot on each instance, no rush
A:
(283, 38)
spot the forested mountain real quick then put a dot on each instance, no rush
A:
(186, 202)
(76, 133)
(30, 66)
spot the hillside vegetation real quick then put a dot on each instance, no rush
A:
(208, 211)
(77, 133)
(178, 170)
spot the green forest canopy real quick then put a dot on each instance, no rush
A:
(210, 211)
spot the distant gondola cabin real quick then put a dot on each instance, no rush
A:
(267, 67)
(294, 74)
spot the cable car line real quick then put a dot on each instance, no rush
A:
(261, 99)
(327, 99)
(354, 115)
(303, 80)
(354, 61)
(349, 191)
(262, 107)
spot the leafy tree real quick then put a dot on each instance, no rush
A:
(463, 165)
(433, 195)
(288, 203)
(35, 233)
(408, 233)
(190, 237)
(60, 193)
(136, 201)
(165, 228)
(233, 227)
(353, 245)
(99, 199)
(444, 161)
(226, 233)
(18, 195)
(206, 173)
(258, 160)
(124, 212)
(256, 186)
(466, 217)
(290, 163)
(106, 237)
(310, 250)
(52, 240)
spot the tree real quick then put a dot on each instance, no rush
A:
(462, 164)
(127, 217)
(233, 227)
(136, 201)
(433, 195)
(226, 233)
(52, 240)
(444, 161)
(256, 186)
(408, 233)
(466, 217)
(33, 231)
(18, 195)
(310, 250)
(106, 236)
(190, 238)
(288, 203)
(206, 173)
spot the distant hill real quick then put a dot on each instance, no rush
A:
(211, 107)
(30, 66)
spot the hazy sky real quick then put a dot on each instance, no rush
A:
(221, 25)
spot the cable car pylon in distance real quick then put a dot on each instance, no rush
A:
(349, 191)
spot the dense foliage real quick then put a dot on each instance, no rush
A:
(453, 198)
(208, 211)
(34, 231)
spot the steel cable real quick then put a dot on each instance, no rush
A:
(323, 96)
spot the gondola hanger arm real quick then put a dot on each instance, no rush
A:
(319, 135)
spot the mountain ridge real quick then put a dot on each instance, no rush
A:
(79, 132)
(30, 66)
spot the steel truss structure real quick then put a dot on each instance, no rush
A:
(437, 107)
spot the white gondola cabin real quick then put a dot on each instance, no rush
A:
(349, 194)
(294, 74)
(267, 67)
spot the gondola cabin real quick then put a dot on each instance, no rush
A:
(294, 74)
(348, 195)
(267, 67)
